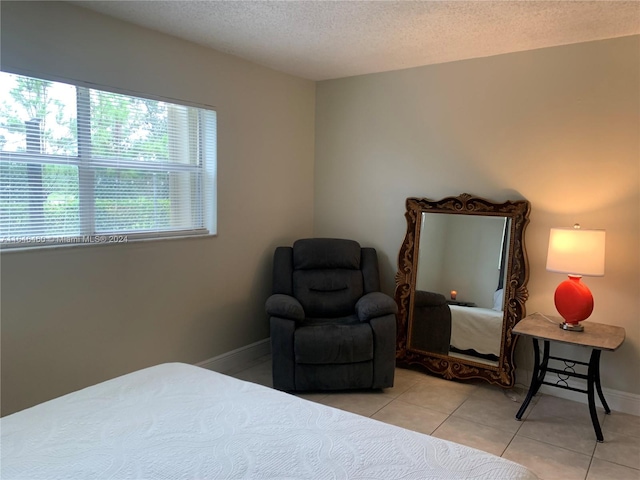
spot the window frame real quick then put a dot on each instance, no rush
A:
(206, 168)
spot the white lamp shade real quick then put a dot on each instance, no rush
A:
(576, 251)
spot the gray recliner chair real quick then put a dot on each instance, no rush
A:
(331, 327)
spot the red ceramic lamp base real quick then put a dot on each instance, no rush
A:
(574, 302)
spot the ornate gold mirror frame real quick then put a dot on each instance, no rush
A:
(515, 289)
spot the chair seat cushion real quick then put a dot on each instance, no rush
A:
(333, 344)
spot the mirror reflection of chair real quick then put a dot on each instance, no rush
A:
(431, 326)
(331, 327)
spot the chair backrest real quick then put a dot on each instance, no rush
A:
(326, 275)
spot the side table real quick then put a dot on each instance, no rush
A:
(597, 336)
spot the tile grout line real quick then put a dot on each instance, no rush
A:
(558, 447)
(384, 406)
(586, 475)
(508, 444)
(464, 401)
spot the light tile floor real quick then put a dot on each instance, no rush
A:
(555, 439)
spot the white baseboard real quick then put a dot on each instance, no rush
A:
(617, 400)
(237, 359)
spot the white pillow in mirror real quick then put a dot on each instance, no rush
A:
(498, 300)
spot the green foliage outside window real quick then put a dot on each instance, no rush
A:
(122, 127)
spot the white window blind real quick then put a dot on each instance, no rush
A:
(81, 165)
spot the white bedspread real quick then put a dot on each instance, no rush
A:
(176, 421)
(476, 328)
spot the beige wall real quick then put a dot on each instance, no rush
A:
(76, 316)
(558, 127)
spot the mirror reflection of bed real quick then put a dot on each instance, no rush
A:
(465, 254)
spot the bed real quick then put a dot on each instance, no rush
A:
(474, 328)
(177, 421)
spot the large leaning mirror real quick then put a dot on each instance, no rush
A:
(461, 286)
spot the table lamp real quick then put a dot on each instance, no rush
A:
(576, 252)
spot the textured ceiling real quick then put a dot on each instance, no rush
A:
(323, 39)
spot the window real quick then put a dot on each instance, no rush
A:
(81, 165)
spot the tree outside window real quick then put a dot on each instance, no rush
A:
(76, 161)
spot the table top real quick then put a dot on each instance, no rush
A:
(595, 335)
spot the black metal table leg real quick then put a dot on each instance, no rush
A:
(539, 372)
(593, 380)
(599, 387)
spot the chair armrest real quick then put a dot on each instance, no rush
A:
(284, 306)
(375, 304)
